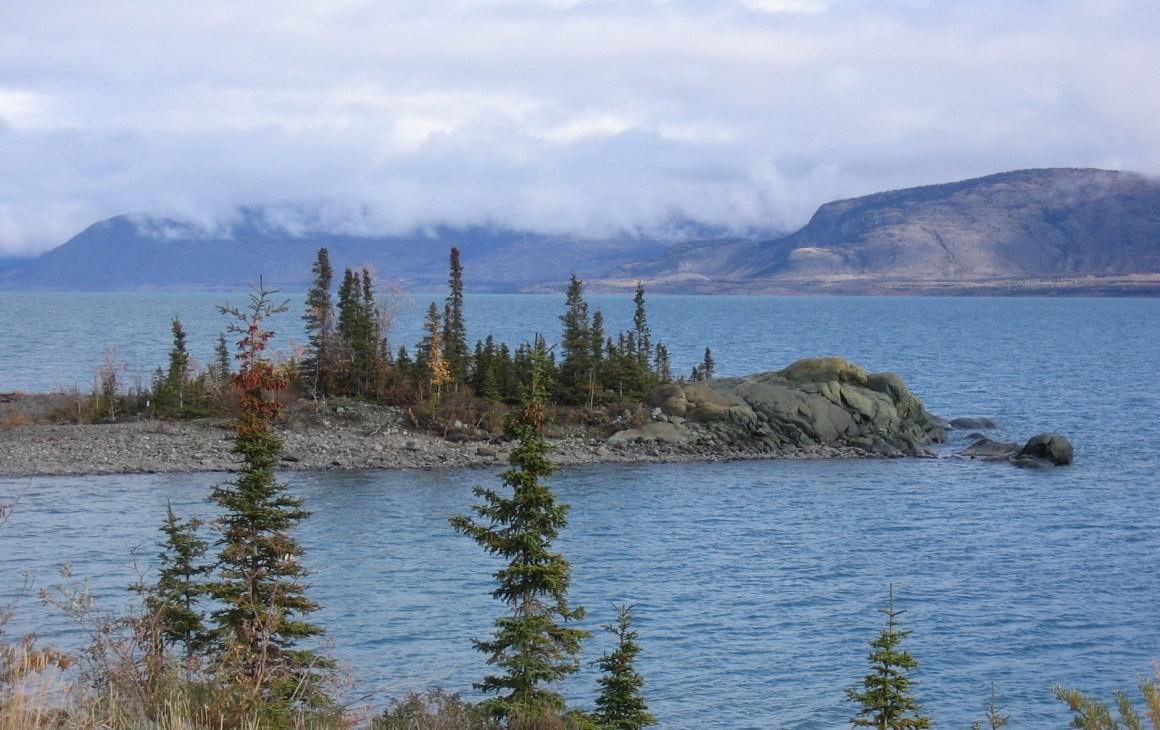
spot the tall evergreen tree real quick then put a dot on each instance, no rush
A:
(885, 699)
(455, 349)
(359, 332)
(597, 375)
(317, 366)
(485, 373)
(221, 370)
(532, 646)
(259, 579)
(643, 335)
(662, 367)
(620, 705)
(509, 384)
(170, 388)
(576, 361)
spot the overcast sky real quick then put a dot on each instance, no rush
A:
(561, 115)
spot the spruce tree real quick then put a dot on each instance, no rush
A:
(575, 343)
(662, 368)
(885, 698)
(359, 332)
(319, 318)
(704, 371)
(643, 350)
(175, 600)
(169, 388)
(995, 717)
(1089, 713)
(371, 352)
(259, 580)
(533, 647)
(222, 371)
(485, 379)
(455, 349)
(620, 705)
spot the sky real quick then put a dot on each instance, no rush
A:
(590, 117)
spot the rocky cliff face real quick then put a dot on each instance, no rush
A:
(1031, 231)
(813, 402)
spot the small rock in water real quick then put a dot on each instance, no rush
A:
(989, 449)
(1056, 449)
(973, 424)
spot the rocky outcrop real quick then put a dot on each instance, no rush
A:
(813, 402)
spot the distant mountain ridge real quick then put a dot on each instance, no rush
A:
(144, 252)
(1050, 231)
(1046, 231)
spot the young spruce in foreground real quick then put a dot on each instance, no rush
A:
(885, 697)
(533, 647)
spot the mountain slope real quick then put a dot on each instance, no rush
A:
(1086, 231)
(144, 252)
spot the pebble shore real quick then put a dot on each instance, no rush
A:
(350, 437)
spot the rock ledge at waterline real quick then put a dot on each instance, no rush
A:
(817, 408)
(816, 402)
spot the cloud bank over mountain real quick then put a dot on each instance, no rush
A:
(562, 116)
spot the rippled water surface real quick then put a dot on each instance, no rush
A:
(755, 583)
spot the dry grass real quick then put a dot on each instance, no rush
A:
(13, 417)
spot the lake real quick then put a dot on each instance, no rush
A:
(756, 584)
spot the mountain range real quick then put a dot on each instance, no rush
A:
(1053, 231)
(1047, 231)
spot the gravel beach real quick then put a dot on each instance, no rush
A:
(339, 436)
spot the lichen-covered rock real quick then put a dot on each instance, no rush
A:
(824, 369)
(670, 398)
(815, 401)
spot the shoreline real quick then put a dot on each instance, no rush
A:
(346, 436)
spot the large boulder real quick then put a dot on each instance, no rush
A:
(824, 369)
(826, 401)
(670, 398)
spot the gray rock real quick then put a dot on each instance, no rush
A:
(1049, 446)
(973, 424)
(1032, 462)
(989, 449)
(665, 432)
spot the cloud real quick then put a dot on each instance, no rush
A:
(585, 116)
(788, 6)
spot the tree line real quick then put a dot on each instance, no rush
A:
(348, 353)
